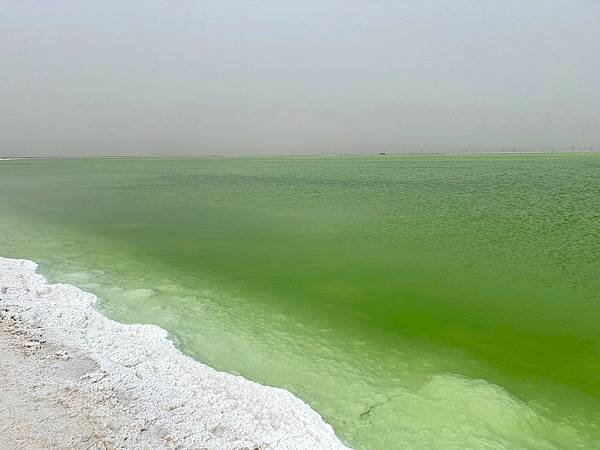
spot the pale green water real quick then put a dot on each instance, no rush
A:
(415, 302)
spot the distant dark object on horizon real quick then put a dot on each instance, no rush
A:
(382, 153)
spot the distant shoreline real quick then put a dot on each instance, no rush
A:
(309, 155)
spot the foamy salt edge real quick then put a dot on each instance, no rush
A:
(198, 406)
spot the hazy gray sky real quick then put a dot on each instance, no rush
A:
(198, 77)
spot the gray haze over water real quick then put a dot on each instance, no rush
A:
(231, 77)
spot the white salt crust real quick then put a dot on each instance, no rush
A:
(192, 404)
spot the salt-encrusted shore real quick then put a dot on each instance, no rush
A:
(72, 378)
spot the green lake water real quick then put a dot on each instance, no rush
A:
(422, 302)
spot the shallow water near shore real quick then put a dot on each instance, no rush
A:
(413, 301)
